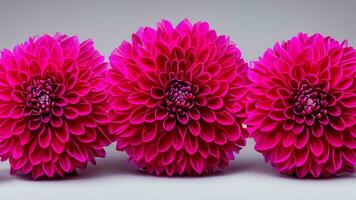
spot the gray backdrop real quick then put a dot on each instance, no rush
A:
(253, 25)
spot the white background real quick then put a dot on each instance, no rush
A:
(254, 25)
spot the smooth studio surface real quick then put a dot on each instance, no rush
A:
(253, 25)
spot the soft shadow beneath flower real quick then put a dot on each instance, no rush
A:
(4, 176)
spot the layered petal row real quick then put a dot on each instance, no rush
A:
(53, 105)
(302, 114)
(178, 98)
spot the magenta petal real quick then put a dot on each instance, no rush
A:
(121, 104)
(5, 128)
(45, 118)
(83, 107)
(20, 163)
(137, 116)
(65, 163)
(35, 157)
(169, 123)
(208, 134)
(194, 128)
(90, 136)
(45, 138)
(157, 93)
(57, 111)
(71, 113)
(17, 152)
(201, 101)
(191, 145)
(151, 153)
(334, 111)
(350, 156)
(266, 141)
(277, 115)
(317, 130)
(182, 130)
(177, 142)
(282, 154)
(310, 121)
(317, 147)
(164, 143)
(148, 133)
(183, 118)
(48, 169)
(57, 145)
(336, 158)
(298, 129)
(233, 132)
(34, 124)
(208, 115)
(17, 96)
(220, 139)
(194, 114)
(198, 164)
(334, 138)
(302, 139)
(168, 159)
(288, 125)
(12, 76)
(56, 121)
(204, 149)
(349, 101)
(184, 27)
(70, 45)
(215, 103)
(160, 113)
(301, 156)
(82, 88)
(349, 141)
(268, 125)
(345, 84)
(137, 99)
(315, 169)
(149, 116)
(37, 172)
(62, 133)
(76, 128)
(289, 140)
(337, 123)
(75, 152)
(225, 118)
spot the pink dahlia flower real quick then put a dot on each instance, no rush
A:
(178, 98)
(303, 114)
(53, 105)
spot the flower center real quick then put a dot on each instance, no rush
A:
(310, 102)
(39, 95)
(179, 96)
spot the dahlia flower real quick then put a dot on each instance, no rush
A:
(178, 99)
(303, 112)
(53, 106)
